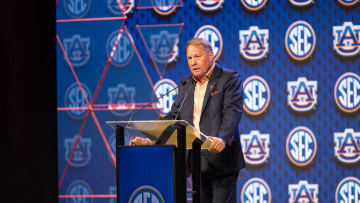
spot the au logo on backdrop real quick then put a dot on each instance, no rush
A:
(302, 94)
(210, 5)
(256, 190)
(347, 39)
(303, 192)
(347, 92)
(255, 147)
(146, 194)
(77, 50)
(301, 3)
(253, 5)
(164, 47)
(74, 98)
(114, 6)
(256, 95)
(161, 88)
(82, 153)
(300, 40)
(121, 99)
(254, 43)
(301, 146)
(347, 146)
(124, 50)
(348, 190)
(79, 188)
(213, 35)
(77, 8)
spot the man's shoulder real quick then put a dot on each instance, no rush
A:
(188, 79)
(225, 72)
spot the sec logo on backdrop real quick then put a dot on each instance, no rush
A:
(300, 40)
(209, 5)
(253, 5)
(303, 192)
(74, 99)
(164, 7)
(127, 5)
(348, 190)
(256, 190)
(145, 194)
(256, 95)
(77, 8)
(213, 35)
(347, 39)
(161, 88)
(347, 146)
(347, 92)
(79, 188)
(124, 50)
(301, 146)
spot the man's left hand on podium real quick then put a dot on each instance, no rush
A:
(217, 145)
(140, 141)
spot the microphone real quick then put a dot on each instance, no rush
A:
(182, 102)
(157, 99)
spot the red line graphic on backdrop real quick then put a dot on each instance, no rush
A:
(97, 107)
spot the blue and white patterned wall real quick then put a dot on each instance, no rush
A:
(299, 61)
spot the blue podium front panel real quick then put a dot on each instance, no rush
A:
(146, 174)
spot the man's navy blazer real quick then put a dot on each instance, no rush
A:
(220, 116)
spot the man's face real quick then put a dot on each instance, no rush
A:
(199, 60)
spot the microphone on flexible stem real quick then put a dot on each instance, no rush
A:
(182, 102)
(157, 99)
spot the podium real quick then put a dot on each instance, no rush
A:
(166, 157)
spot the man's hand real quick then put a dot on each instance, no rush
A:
(217, 145)
(140, 141)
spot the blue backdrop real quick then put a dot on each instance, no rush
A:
(299, 61)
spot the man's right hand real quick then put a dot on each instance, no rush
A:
(140, 141)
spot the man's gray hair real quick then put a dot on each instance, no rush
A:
(200, 41)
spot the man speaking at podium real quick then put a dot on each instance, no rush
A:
(211, 100)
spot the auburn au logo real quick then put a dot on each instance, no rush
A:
(347, 146)
(254, 43)
(347, 39)
(255, 147)
(302, 94)
(303, 192)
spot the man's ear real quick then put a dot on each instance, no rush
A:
(211, 56)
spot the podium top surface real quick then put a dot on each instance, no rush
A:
(161, 131)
